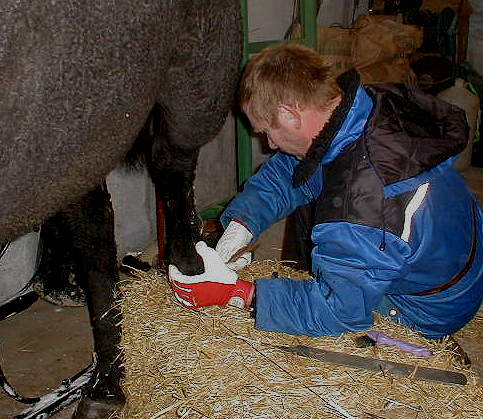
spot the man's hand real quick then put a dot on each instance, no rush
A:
(218, 285)
(235, 237)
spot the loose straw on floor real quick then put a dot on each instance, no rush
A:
(213, 363)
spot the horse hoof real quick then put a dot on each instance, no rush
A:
(94, 409)
(71, 295)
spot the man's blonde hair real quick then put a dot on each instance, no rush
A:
(286, 73)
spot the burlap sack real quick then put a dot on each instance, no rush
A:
(381, 48)
(378, 46)
(334, 44)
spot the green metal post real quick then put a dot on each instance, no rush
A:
(308, 15)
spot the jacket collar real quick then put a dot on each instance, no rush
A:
(349, 83)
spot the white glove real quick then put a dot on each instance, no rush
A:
(218, 285)
(235, 237)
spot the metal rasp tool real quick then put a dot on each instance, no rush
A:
(377, 365)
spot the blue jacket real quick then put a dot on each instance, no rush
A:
(361, 266)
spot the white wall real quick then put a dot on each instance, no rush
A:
(268, 19)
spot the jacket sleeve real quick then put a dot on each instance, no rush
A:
(352, 275)
(269, 196)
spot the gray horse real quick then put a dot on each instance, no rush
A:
(81, 83)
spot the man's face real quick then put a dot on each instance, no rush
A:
(297, 127)
(287, 137)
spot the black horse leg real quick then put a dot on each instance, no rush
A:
(57, 278)
(91, 225)
(174, 183)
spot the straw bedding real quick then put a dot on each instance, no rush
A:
(212, 363)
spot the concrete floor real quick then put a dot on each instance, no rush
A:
(46, 344)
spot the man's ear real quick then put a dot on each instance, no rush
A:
(289, 116)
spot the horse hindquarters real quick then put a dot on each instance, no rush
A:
(90, 223)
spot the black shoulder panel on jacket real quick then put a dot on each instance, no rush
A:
(411, 132)
(354, 193)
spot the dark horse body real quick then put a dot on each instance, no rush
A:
(79, 80)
